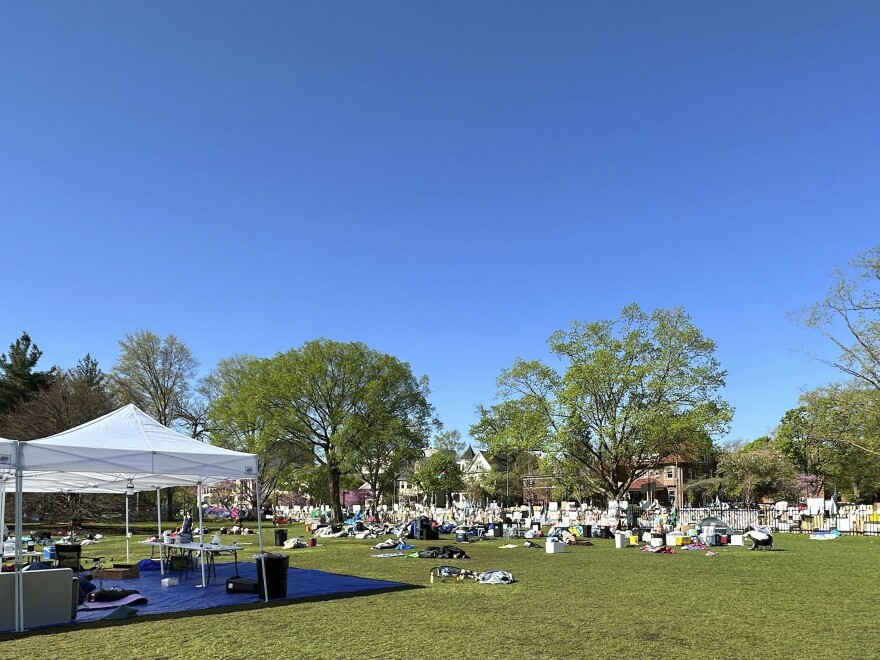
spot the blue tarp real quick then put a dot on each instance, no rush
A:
(302, 584)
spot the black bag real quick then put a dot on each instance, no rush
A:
(109, 595)
(452, 552)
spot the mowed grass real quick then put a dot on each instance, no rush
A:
(806, 599)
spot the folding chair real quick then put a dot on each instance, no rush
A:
(70, 556)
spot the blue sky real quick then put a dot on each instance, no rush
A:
(447, 182)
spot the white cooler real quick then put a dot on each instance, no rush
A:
(555, 547)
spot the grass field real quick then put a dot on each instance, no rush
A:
(806, 599)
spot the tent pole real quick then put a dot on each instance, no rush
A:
(201, 535)
(161, 540)
(260, 535)
(127, 532)
(2, 510)
(19, 586)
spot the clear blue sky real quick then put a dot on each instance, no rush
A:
(448, 182)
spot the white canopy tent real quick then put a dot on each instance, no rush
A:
(125, 451)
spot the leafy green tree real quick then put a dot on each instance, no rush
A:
(439, 473)
(835, 433)
(19, 381)
(504, 483)
(849, 316)
(753, 473)
(338, 398)
(237, 422)
(801, 439)
(450, 441)
(634, 390)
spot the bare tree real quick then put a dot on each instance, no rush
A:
(849, 316)
(154, 374)
(74, 397)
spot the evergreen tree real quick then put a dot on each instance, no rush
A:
(19, 381)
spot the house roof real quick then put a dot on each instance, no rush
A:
(469, 454)
(642, 485)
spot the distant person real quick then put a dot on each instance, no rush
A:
(186, 527)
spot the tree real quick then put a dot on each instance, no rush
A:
(800, 438)
(450, 441)
(849, 316)
(154, 374)
(439, 473)
(338, 399)
(237, 422)
(753, 473)
(74, 397)
(19, 381)
(834, 437)
(633, 392)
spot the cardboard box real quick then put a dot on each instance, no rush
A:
(133, 570)
(112, 573)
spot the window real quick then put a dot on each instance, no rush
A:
(669, 473)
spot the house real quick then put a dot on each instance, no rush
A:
(664, 482)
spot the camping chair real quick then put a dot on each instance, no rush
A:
(70, 556)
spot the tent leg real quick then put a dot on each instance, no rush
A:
(2, 510)
(159, 518)
(260, 536)
(19, 586)
(127, 533)
(201, 535)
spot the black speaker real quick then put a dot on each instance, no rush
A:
(237, 585)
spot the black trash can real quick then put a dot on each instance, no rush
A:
(604, 532)
(280, 536)
(275, 579)
(588, 531)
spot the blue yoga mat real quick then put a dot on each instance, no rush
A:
(301, 585)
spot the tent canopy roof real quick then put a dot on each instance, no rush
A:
(124, 446)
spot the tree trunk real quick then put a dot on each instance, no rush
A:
(333, 470)
(169, 504)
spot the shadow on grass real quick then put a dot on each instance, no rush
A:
(208, 611)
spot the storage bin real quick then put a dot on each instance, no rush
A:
(274, 582)
(554, 547)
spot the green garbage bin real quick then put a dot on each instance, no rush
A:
(274, 581)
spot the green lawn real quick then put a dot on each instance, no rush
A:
(807, 599)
